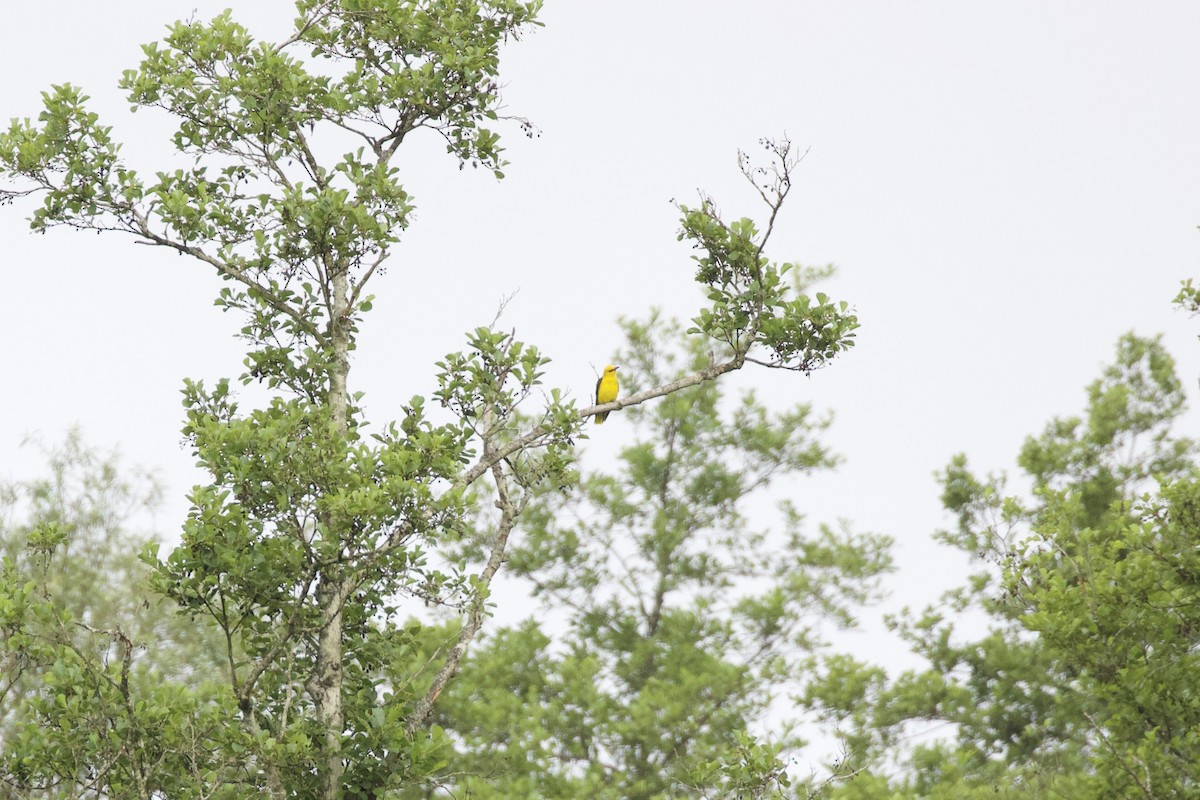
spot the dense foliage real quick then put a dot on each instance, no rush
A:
(1081, 684)
(311, 545)
(674, 626)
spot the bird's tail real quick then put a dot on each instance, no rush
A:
(603, 415)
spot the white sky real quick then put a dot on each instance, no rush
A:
(1005, 187)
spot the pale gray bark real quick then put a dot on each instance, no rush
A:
(334, 587)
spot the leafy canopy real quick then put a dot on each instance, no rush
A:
(311, 544)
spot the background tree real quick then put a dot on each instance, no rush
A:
(66, 541)
(311, 539)
(1078, 689)
(688, 622)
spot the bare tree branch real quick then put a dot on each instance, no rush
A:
(477, 610)
(490, 459)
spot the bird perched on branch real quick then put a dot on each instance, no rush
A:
(606, 390)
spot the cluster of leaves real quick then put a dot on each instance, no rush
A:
(1188, 297)
(757, 304)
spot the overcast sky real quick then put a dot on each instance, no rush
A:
(1005, 188)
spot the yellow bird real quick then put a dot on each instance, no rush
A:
(606, 390)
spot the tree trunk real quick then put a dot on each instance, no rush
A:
(333, 590)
